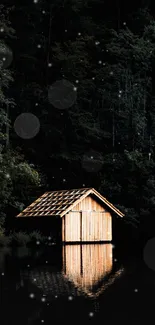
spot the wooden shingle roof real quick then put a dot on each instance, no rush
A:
(60, 202)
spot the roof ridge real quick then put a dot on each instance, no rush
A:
(71, 189)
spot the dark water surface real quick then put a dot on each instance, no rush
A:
(75, 284)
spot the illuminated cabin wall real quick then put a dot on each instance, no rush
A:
(87, 222)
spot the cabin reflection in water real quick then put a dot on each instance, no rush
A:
(86, 270)
(87, 265)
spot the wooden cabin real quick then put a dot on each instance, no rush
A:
(72, 216)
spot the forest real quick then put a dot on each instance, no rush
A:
(77, 104)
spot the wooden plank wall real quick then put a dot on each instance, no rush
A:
(109, 226)
(71, 227)
(96, 222)
(96, 226)
(86, 265)
(89, 203)
(63, 228)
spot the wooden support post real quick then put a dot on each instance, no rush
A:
(64, 228)
(81, 226)
(64, 250)
(81, 262)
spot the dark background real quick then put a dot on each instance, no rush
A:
(105, 139)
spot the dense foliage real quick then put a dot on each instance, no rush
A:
(105, 139)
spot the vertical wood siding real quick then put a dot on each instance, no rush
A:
(63, 228)
(88, 221)
(96, 226)
(89, 203)
(109, 226)
(86, 265)
(72, 226)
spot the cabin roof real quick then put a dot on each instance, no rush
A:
(60, 202)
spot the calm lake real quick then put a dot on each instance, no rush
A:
(75, 284)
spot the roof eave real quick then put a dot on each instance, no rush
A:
(104, 200)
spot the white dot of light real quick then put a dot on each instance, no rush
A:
(113, 246)
(49, 238)
(56, 296)
(111, 73)
(136, 290)
(2, 273)
(43, 11)
(28, 265)
(2, 30)
(104, 63)
(97, 43)
(64, 180)
(70, 298)
(4, 59)
(93, 78)
(115, 259)
(43, 299)
(34, 280)
(42, 320)
(32, 295)
(75, 88)
(124, 23)
(91, 157)
(77, 81)
(91, 314)
(50, 65)
(7, 176)
(79, 34)
(36, 104)
(65, 30)
(39, 46)
(83, 185)
(37, 242)
(100, 62)
(35, 1)
(46, 262)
